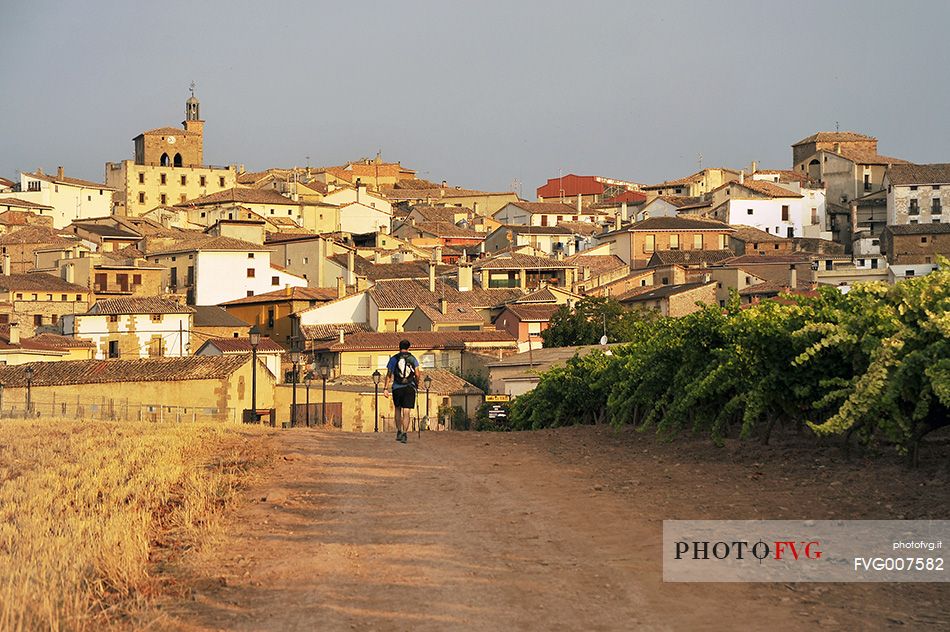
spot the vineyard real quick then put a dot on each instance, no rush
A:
(871, 366)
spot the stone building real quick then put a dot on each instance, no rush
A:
(38, 301)
(918, 194)
(912, 249)
(168, 168)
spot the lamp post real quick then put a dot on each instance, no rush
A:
(29, 390)
(376, 376)
(255, 336)
(324, 374)
(428, 384)
(294, 359)
(307, 378)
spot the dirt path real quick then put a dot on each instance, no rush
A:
(524, 531)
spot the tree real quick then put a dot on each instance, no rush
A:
(585, 324)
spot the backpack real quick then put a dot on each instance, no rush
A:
(405, 373)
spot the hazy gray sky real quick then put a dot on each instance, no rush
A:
(479, 93)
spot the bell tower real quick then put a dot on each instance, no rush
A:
(194, 124)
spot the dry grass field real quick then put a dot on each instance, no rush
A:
(90, 511)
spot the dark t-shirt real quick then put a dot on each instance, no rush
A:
(391, 367)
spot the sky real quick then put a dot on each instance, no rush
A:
(488, 95)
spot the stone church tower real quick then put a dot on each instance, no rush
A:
(173, 147)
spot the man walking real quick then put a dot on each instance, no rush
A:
(403, 370)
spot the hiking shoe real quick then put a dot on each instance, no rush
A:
(404, 437)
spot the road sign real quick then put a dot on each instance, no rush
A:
(497, 398)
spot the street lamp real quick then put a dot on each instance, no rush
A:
(428, 384)
(294, 359)
(376, 376)
(307, 378)
(324, 374)
(255, 336)
(29, 390)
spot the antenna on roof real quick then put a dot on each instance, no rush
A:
(700, 160)
(836, 126)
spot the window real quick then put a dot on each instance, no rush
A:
(923, 240)
(698, 242)
(113, 318)
(665, 281)
(748, 280)
(19, 296)
(674, 242)
(391, 325)
(270, 317)
(79, 297)
(275, 280)
(141, 178)
(914, 208)
(867, 182)
(785, 212)
(364, 362)
(909, 273)
(162, 178)
(156, 318)
(182, 198)
(113, 348)
(306, 260)
(250, 292)
(201, 181)
(64, 297)
(748, 211)
(184, 180)
(649, 243)
(428, 361)
(913, 188)
(250, 255)
(250, 273)
(221, 181)
(136, 279)
(164, 199)
(936, 187)
(37, 320)
(814, 215)
(935, 206)
(141, 198)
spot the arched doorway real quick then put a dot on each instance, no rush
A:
(164, 160)
(177, 160)
(814, 169)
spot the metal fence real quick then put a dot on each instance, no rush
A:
(108, 409)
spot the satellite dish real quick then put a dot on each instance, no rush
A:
(603, 340)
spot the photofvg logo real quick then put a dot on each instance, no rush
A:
(804, 550)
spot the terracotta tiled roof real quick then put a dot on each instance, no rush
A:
(549, 208)
(751, 233)
(417, 269)
(214, 316)
(680, 200)
(580, 228)
(168, 131)
(241, 195)
(55, 341)
(784, 175)
(544, 295)
(38, 282)
(37, 235)
(110, 371)
(104, 230)
(408, 293)
(773, 288)
(790, 257)
(75, 182)
(833, 137)
(431, 213)
(443, 383)
(331, 331)
(139, 305)
(455, 313)
(296, 294)
(905, 174)
(421, 340)
(690, 257)
(762, 187)
(280, 237)
(448, 230)
(11, 201)
(918, 229)
(243, 345)
(630, 197)
(679, 223)
(203, 242)
(521, 229)
(434, 194)
(533, 313)
(663, 291)
(516, 260)
(598, 264)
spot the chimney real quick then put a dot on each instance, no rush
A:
(432, 277)
(358, 185)
(792, 277)
(755, 166)
(342, 338)
(350, 266)
(438, 254)
(465, 277)
(340, 287)
(442, 190)
(617, 222)
(6, 265)
(742, 177)
(838, 148)
(443, 306)
(14, 333)
(707, 277)
(288, 291)
(60, 173)
(361, 284)
(623, 210)
(474, 208)
(578, 203)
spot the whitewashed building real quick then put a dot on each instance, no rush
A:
(69, 199)
(134, 327)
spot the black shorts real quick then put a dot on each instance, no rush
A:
(404, 397)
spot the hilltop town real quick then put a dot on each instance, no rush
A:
(174, 289)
